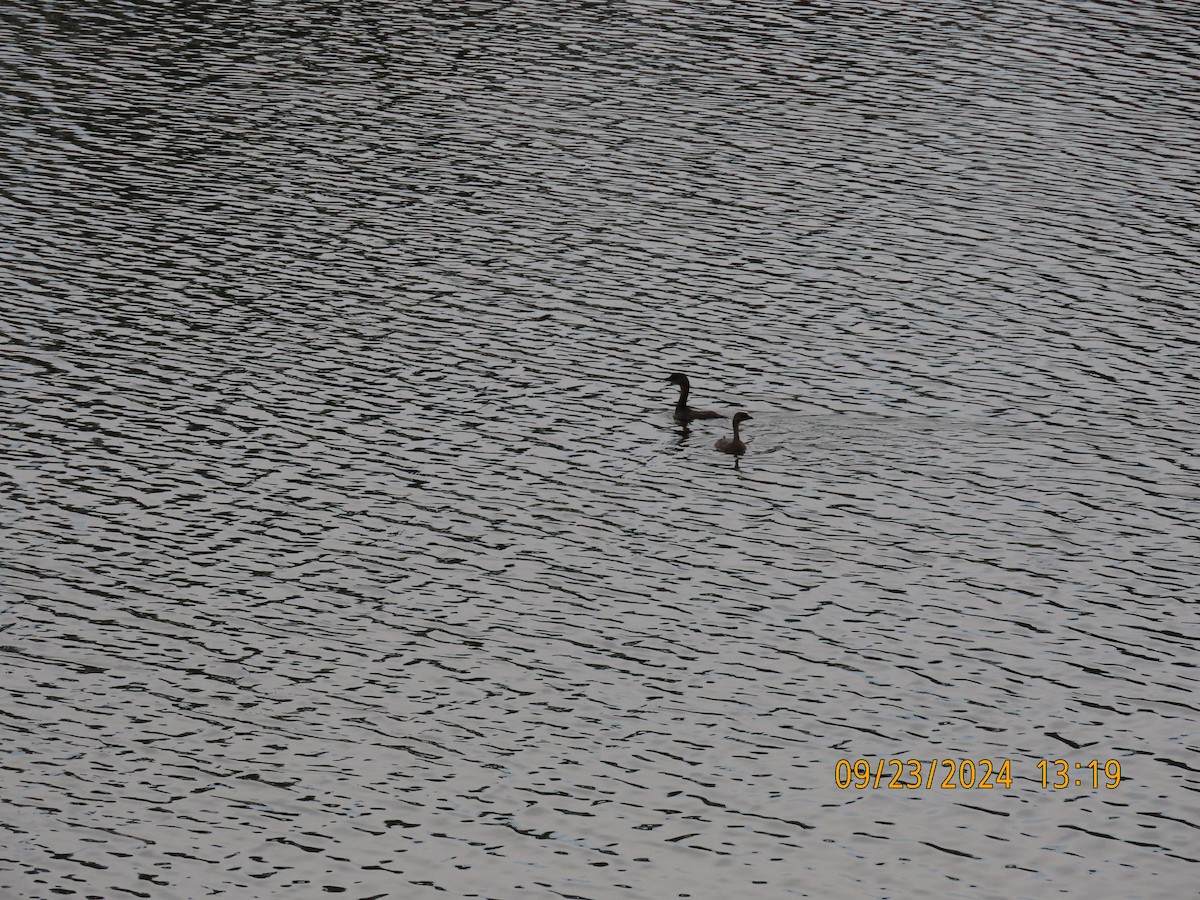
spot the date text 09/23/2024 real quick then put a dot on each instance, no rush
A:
(967, 774)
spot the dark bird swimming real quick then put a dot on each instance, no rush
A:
(683, 412)
(735, 444)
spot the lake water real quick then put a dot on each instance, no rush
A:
(349, 546)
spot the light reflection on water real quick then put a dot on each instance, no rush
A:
(350, 546)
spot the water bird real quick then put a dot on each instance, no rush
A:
(683, 412)
(735, 444)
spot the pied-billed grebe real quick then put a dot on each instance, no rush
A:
(683, 412)
(735, 444)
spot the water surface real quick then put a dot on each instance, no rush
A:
(348, 543)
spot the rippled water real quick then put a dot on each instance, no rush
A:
(350, 546)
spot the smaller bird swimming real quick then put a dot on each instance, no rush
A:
(683, 412)
(735, 444)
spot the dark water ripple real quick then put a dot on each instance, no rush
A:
(348, 546)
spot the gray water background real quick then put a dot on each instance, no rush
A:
(348, 546)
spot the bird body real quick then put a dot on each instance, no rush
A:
(684, 413)
(735, 444)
